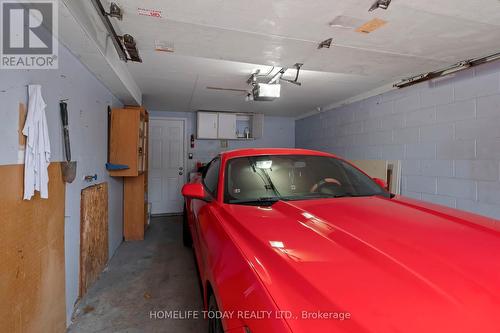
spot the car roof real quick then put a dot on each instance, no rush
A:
(271, 151)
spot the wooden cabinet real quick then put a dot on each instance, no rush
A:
(128, 141)
(129, 146)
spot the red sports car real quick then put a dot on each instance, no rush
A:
(291, 240)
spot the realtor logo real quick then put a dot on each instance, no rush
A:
(28, 34)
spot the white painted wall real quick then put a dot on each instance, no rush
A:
(447, 133)
(278, 132)
(88, 100)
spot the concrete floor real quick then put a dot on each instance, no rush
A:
(157, 274)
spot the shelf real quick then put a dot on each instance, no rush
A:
(225, 125)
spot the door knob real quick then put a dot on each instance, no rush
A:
(181, 168)
(180, 173)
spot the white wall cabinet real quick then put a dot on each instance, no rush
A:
(229, 125)
(208, 125)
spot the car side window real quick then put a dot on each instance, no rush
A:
(211, 176)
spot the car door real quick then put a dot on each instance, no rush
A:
(201, 210)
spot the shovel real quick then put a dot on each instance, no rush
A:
(68, 167)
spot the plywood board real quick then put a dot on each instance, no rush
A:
(93, 234)
(32, 276)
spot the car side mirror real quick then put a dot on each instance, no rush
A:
(382, 183)
(194, 191)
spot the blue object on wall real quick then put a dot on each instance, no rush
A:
(111, 166)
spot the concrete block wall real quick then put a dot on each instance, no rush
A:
(446, 132)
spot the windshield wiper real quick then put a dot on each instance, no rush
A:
(343, 195)
(260, 201)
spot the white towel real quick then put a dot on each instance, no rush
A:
(37, 158)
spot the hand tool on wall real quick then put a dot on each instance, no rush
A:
(68, 166)
(90, 178)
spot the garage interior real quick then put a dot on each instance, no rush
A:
(410, 90)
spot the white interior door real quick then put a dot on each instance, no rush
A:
(167, 171)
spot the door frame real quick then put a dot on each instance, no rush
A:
(184, 150)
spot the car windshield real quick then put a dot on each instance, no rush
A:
(266, 179)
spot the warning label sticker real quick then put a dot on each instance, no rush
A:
(150, 12)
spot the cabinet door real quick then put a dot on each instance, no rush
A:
(227, 126)
(207, 125)
(124, 141)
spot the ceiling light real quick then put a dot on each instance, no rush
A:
(383, 4)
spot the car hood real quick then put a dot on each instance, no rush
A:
(394, 265)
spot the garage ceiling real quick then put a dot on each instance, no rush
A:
(219, 43)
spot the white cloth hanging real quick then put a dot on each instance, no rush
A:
(37, 156)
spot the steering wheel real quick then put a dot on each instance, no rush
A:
(327, 186)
